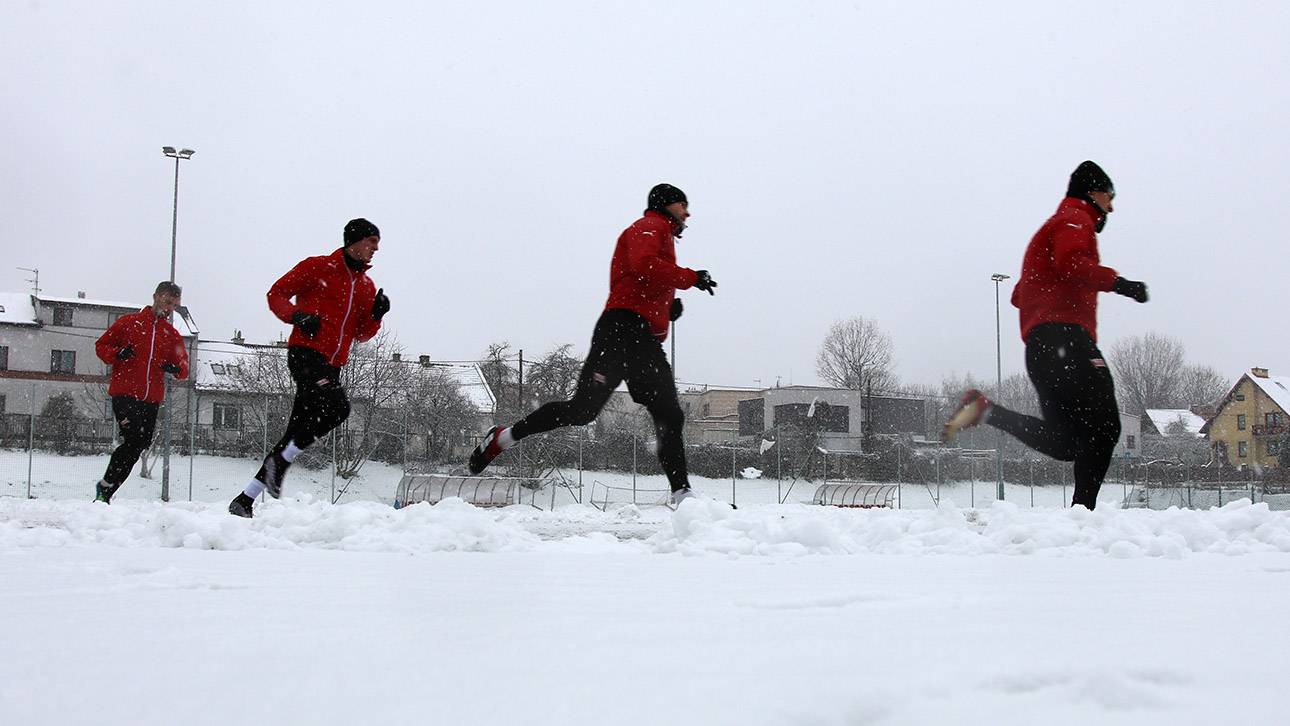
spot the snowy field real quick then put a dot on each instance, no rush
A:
(213, 479)
(150, 613)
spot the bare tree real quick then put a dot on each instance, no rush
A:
(553, 377)
(502, 376)
(375, 383)
(856, 354)
(1201, 385)
(1148, 372)
(435, 409)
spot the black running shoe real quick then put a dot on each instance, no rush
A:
(241, 505)
(275, 470)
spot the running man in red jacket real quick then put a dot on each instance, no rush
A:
(141, 348)
(336, 304)
(1061, 276)
(628, 341)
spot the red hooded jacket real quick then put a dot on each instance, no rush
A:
(1061, 273)
(155, 342)
(341, 297)
(644, 276)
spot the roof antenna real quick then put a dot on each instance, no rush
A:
(35, 281)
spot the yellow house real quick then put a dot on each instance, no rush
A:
(1251, 421)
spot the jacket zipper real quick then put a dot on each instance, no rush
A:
(147, 371)
(340, 340)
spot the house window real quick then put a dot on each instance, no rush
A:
(1240, 422)
(1274, 448)
(4, 357)
(217, 369)
(1130, 441)
(1242, 449)
(227, 416)
(62, 361)
(1272, 418)
(1239, 396)
(63, 315)
(2, 403)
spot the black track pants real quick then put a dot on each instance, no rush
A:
(622, 348)
(135, 419)
(1081, 421)
(320, 404)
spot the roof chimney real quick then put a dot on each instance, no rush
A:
(237, 337)
(424, 360)
(396, 357)
(1259, 372)
(80, 294)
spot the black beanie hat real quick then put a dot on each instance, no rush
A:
(1089, 177)
(662, 195)
(358, 230)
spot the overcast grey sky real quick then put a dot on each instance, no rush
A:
(877, 159)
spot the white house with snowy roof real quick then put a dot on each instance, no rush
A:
(1174, 422)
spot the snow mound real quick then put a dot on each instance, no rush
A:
(700, 526)
(711, 527)
(302, 522)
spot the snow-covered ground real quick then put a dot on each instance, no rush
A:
(213, 478)
(142, 612)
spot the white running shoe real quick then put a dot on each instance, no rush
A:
(972, 410)
(682, 494)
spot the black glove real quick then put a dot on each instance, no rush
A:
(381, 305)
(1130, 288)
(171, 368)
(677, 309)
(307, 323)
(706, 283)
(125, 353)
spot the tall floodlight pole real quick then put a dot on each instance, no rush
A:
(998, 375)
(178, 156)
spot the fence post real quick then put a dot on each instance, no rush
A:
(633, 467)
(407, 425)
(192, 435)
(31, 437)
(264, 435)
(938, 477)
(732, 475)
(333, 465)
(779, 469)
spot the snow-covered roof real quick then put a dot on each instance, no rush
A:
(216, 365)
(1164, 418)
(217, 362)
(17, 308)
(93, 303)
(1277, 388)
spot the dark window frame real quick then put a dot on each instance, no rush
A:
(57, 358)
(220, 416)
(64, 316)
